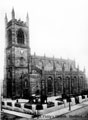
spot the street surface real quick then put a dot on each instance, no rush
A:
(83, 112)
(79, 114)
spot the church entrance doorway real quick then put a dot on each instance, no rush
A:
(25, 91)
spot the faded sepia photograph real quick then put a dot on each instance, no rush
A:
(44, 59)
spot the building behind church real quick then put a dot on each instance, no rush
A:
(27, 74)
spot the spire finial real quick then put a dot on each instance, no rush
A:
(27, 16)
(78, 67)
(84, 69)
(70, 67)
(34, 54)
(6, 19)
(53, 57)
(27, 19)
(63, 67)
(44, 55)
(54, 66)
(13, 13)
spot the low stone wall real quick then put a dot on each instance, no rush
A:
(22, 100)
(44, 109)
(83, 99)
(66, 104)
(8, 106)
(50, 109)
(14, 107)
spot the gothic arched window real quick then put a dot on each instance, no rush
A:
(49, 83)
(20, 36)
(59, 84)
(9, 37)
(67, 84)
(25, 83)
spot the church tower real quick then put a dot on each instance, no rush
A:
(17, 78)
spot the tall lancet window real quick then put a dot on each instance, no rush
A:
(50, 84)
(20, 36)
(25, 83)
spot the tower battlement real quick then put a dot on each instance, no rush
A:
(17, 22)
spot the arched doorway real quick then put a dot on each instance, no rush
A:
(9, 84)
(25, 89)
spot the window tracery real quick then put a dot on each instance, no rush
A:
(20, 36)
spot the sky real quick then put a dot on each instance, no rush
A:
(57, 28)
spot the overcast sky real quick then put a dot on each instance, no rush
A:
(57, 28)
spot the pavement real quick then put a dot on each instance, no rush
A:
(63, 111)
(20, 114)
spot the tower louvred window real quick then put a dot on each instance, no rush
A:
(9, 36)
(20, 37)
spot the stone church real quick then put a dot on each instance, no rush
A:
(27, 74)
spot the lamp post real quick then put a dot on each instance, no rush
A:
(70, 79)
(54, 69)
(29, 72)
(78, 79)
(21, 85)
(63, 79)
(43, 86)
